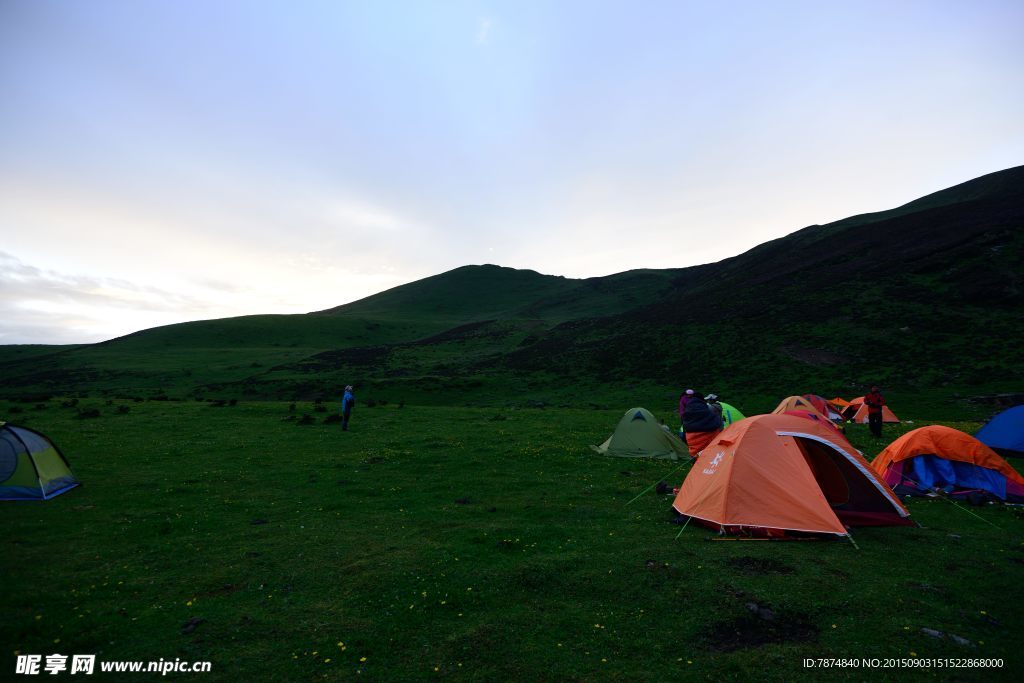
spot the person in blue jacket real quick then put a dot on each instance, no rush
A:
(348, 402)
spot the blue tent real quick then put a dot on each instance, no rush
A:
(1004, 433)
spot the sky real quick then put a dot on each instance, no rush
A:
(164, 161)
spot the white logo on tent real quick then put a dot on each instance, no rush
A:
(715, 462)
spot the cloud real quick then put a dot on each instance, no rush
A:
(48, 307)
(483, 31)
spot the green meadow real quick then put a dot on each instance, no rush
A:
(465, 544)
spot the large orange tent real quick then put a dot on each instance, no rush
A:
(776, 473)
(937, 456)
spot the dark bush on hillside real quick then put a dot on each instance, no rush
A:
(320, 408)
(86, 413)
(69, 404)
(306, 419)
(383, 401)
(109, 402)
(233, 402)
(218, 403)
(138, 399)
(40, 406)
(14, 410)
(33, 398)
(370, 403)
(159, 397)
(332, 418)
(291, 407)
(123, 410)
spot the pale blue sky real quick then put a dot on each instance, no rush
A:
(169, 161)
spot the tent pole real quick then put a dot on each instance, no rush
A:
(950, 500)
(683, 529)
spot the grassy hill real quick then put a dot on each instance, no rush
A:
(923, 298)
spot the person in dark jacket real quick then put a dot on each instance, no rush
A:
(348, 402)
(874, 401)
(701, 423)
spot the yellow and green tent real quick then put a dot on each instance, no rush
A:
(640, 435)
(31, 466)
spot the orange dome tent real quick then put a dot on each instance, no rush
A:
(797, 403)
(861, 414)
(776, 473)
(808, 402)
(942, 457)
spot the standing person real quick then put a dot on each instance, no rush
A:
(714, 404)
(348, 402)
(702, 425)
(683, 401)
(874, 401)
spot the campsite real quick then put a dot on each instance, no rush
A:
(470, 543)
(464, 527)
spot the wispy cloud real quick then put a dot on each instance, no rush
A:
(45, 306)
(483, 31)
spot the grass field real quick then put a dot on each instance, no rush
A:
(477, 544)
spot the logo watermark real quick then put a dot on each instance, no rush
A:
(34, 665)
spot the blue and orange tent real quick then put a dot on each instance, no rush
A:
(938, 457)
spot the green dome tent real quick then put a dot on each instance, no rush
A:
(31, 467)
(730, 414)
(639, 435)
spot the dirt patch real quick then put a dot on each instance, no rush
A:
(190, 625)
(760, 565)
(759, 627)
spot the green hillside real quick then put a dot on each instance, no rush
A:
(924, 298)
(475, 293)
